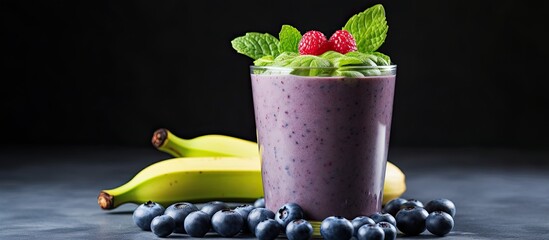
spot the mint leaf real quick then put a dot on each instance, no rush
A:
(256, 45)
(347, 60)
(303, 61)
(310, 61)
(348, 73)
(366, 58)
(284, 59)
(289, 39)
(264, 61)
(305, 65)
(369, 28)
(331, 55)
(339, 59)
(363, 71)
(285, 56)
(384, 57)
(378, 60)
(371, 59)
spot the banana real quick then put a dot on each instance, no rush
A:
(203, 146)
(190, 179)
(395, 183)
(222, 145)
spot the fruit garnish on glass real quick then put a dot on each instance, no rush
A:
(354, 45)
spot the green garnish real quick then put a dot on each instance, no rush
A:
(368, 28)
(256, 45)
(289, 39)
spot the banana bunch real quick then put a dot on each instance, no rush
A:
(208, 168)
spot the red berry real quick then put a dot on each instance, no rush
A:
(342, 41)
(313, 43)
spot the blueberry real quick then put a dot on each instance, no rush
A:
(359, 222)
(441, 204)
(288, 213)
(268, 229)
(299, 229)
(162, 225)
(244, 210)
(227, 222)
(383, 217)
(439, 223)
(393, 206)
(259, 203)
(257, 215)
(179, 211)
(389, 230)
(411, 220)
(370, 232)
(197, 224)
(212, 207)
(144, 214)
(336, 227)
(411, 203)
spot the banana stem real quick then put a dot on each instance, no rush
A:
(112, 198)
(165, 141)
(105, 200)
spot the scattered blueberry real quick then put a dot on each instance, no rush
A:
(411, 220)
(212, 207)
(257, 215)
(268, 229)
(227, 222)
(335, 228)
(144, 214)
(288, 213)
(389, 230)
(410, 216)
(197, 224)
(259, 203)
(359, 222)
(179, 211)
(383, 217)
(393, 206)
(411, 203)
(244, 210)
(162, 225)
(370, 232)
(299, 229)
(439, 223)
(441, 204)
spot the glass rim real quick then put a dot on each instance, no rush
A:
(386, 67)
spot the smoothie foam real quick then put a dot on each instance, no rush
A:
(330, 156)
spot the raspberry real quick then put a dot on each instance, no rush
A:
(342, 41)
(313, 43)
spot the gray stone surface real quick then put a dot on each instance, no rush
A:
(51, 193)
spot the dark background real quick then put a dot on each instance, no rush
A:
(108, 73)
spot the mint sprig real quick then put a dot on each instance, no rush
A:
(289, 39)
(369, 28)
(256, 45)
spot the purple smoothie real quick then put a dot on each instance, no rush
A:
(323, 141)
